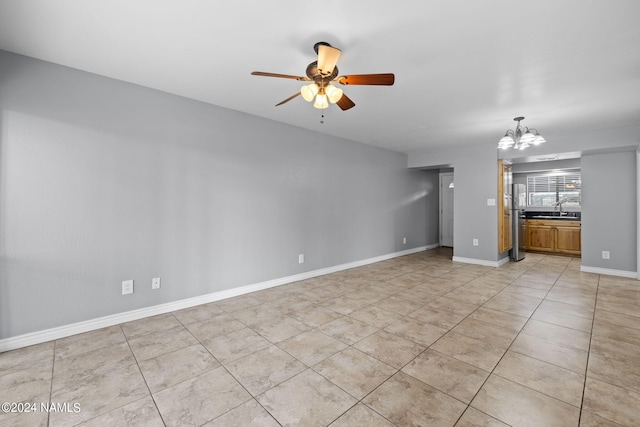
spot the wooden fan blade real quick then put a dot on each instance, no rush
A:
(386, 79)
(282, 76)
(345, 102)
(288, 99)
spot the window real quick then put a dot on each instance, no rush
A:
(551, 190)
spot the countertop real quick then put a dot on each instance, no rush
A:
(554, 215)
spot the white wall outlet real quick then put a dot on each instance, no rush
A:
(491, 202)
(475, 242)
(301, 259)
(404, 240)
(606, 255)
(127, 287)
(155, 283)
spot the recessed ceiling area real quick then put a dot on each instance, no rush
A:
(462, 69)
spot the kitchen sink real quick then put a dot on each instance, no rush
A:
(555, 217)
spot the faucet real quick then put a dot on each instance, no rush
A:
(558, 204)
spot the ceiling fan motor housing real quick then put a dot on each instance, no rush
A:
(317, 46)
(314, 74)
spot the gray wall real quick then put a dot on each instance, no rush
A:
(609, 211)
(537, 167)
(103, 181)
(475, 171)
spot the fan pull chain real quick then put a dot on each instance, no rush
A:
(322, 117)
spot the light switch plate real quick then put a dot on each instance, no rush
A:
(491, 202)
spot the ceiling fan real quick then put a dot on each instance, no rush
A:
(322, 73)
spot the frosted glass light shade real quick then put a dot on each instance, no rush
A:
(327, 59)
(506, 142)
(321, 101)
(527, 138)
(333, 93)
(539, 140)
(309, 91)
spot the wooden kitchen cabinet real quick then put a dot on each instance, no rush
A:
(568, 240)
(504, 206)
(539, 237)
(561, 237)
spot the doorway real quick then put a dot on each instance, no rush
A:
(446, 209)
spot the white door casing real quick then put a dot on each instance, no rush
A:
(446, 209)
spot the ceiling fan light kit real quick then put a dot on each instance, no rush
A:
(322, 73)
(327, 58)
(333, 93)
(521, 138)
(309, 92)
(321, 101)
(321, 94)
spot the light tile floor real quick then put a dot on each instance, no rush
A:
(417, 340)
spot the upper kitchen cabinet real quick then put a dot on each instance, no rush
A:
(505, 178)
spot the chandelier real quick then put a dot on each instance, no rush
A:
(521, 138)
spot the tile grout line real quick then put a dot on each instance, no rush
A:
(449, 330)
(429, 347)
(512, 341)
(53, 363)
(139, 370)
(586, 368)
(360, 401)
(143, 378)
(588, 352)
(272, 344)
(227, 371)
(505, 352)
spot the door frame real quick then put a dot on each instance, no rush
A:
(440, 207)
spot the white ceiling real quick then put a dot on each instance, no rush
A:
(464, 68)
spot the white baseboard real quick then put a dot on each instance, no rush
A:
(479, 261)
(38, 337)
(609, 272)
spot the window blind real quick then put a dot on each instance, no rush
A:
(551, 190)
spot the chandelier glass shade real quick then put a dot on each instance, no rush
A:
(322, 94)
(521, 138)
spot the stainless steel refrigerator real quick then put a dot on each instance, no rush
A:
(518, 221)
